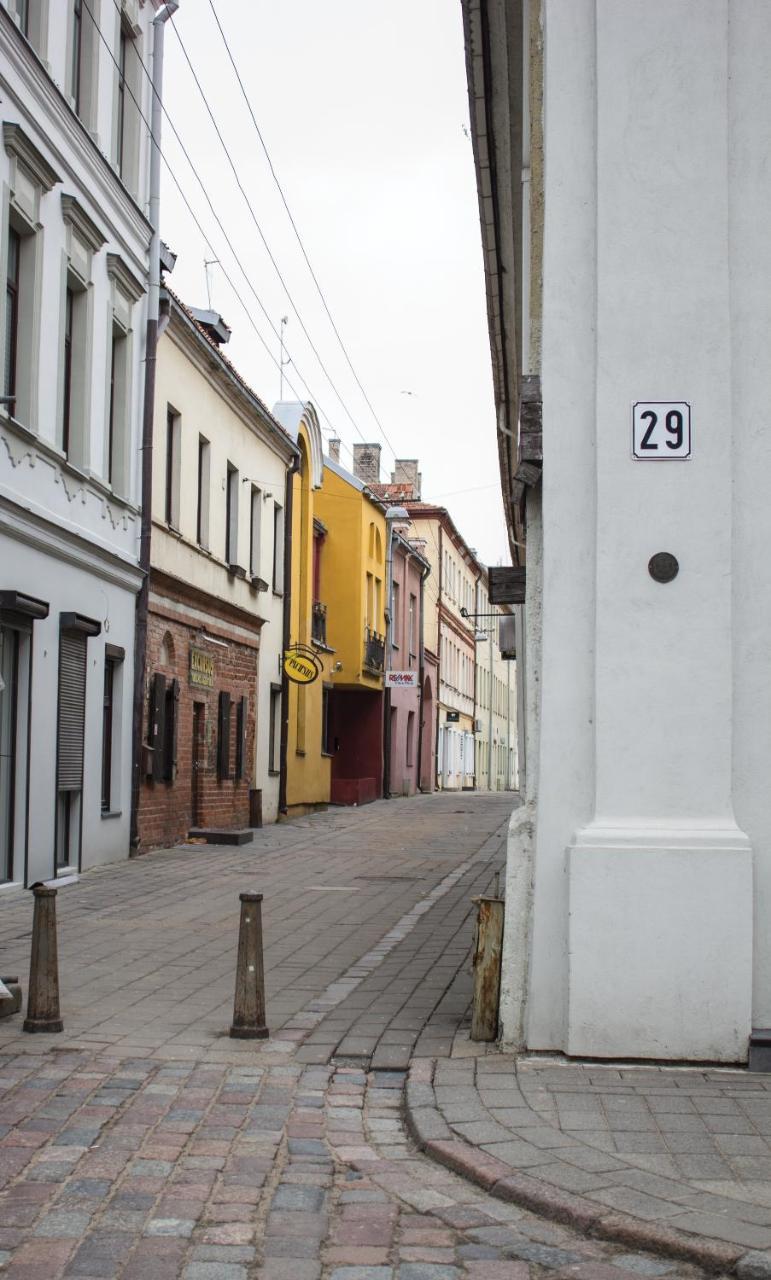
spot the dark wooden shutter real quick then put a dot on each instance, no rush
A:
(241, 738)
(72, 710)
(223, 743)
(157, 725)
(170, 730)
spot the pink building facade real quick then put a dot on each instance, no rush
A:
(411, 702)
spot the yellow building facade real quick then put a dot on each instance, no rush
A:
(352, 580)
(333, 727)
(308, 762)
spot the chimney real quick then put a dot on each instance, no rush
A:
(366, 463)
(406, 473)
(334, 450)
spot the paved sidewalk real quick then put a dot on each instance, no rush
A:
(676, 1159)
(147, 947)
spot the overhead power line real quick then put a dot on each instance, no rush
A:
(298, 237)
(197, 221)
(263, 237)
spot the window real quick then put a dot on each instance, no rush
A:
(202, 506)
(126, 117)
(116, 415)
(173, 467)
(82, 61)
(20, 14)
(120, 121)
(111, 725)
(255, 520)
(76, 55)
(11, 316)
(411, 624)
(274, 745)
(126, 290)
(278, 547)
(396, 611)
(67, 399)
(30, 177)
(231, 515)
(410, 739)
(106, 736)
(83, 240)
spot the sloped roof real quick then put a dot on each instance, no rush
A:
(229, 369)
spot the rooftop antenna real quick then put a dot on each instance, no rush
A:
(282, 359)
(209, 262)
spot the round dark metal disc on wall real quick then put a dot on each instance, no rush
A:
(663, 567)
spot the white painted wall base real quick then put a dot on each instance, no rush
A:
(660, 944)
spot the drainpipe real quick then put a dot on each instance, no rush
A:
(437, 770)
(392, 515)
(424, 572)
(490, 720)
(288, 500)
(151, 348)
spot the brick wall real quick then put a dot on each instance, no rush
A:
(166, 807)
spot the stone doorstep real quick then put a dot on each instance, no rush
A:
(10, 997)
(222, 835)
(585, 1215)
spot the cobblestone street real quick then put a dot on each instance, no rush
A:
(145, 1144)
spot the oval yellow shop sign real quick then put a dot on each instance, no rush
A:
(301, 668)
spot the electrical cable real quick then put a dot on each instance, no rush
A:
(298, 237)
(262, 236)
(196, 220)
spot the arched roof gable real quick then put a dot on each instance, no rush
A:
(293, 415)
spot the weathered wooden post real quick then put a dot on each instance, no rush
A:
(249, 1003)
(487, 967)
(43, 997)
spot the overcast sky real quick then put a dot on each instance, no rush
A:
(363, 108)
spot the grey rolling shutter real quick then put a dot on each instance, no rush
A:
(223, 743)
(72, 710)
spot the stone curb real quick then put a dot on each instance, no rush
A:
(432, 1135)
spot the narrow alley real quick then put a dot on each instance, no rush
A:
(144, 1143)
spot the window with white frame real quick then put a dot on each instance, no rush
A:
(82, 60)
(173, 467)
(83, 240)
(232, 484)
(255, 529)
(278, 547)
(126, 291)
(31, 178)
(204, 486)
(126, 111)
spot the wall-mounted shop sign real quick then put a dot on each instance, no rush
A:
(506, 584)
(401, 679)
(301, 664)
(201, 669)
(661, 430)
(452, 717)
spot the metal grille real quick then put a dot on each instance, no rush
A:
(72, 710)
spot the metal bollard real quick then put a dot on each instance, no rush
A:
(249, 1003)
(43, 998)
